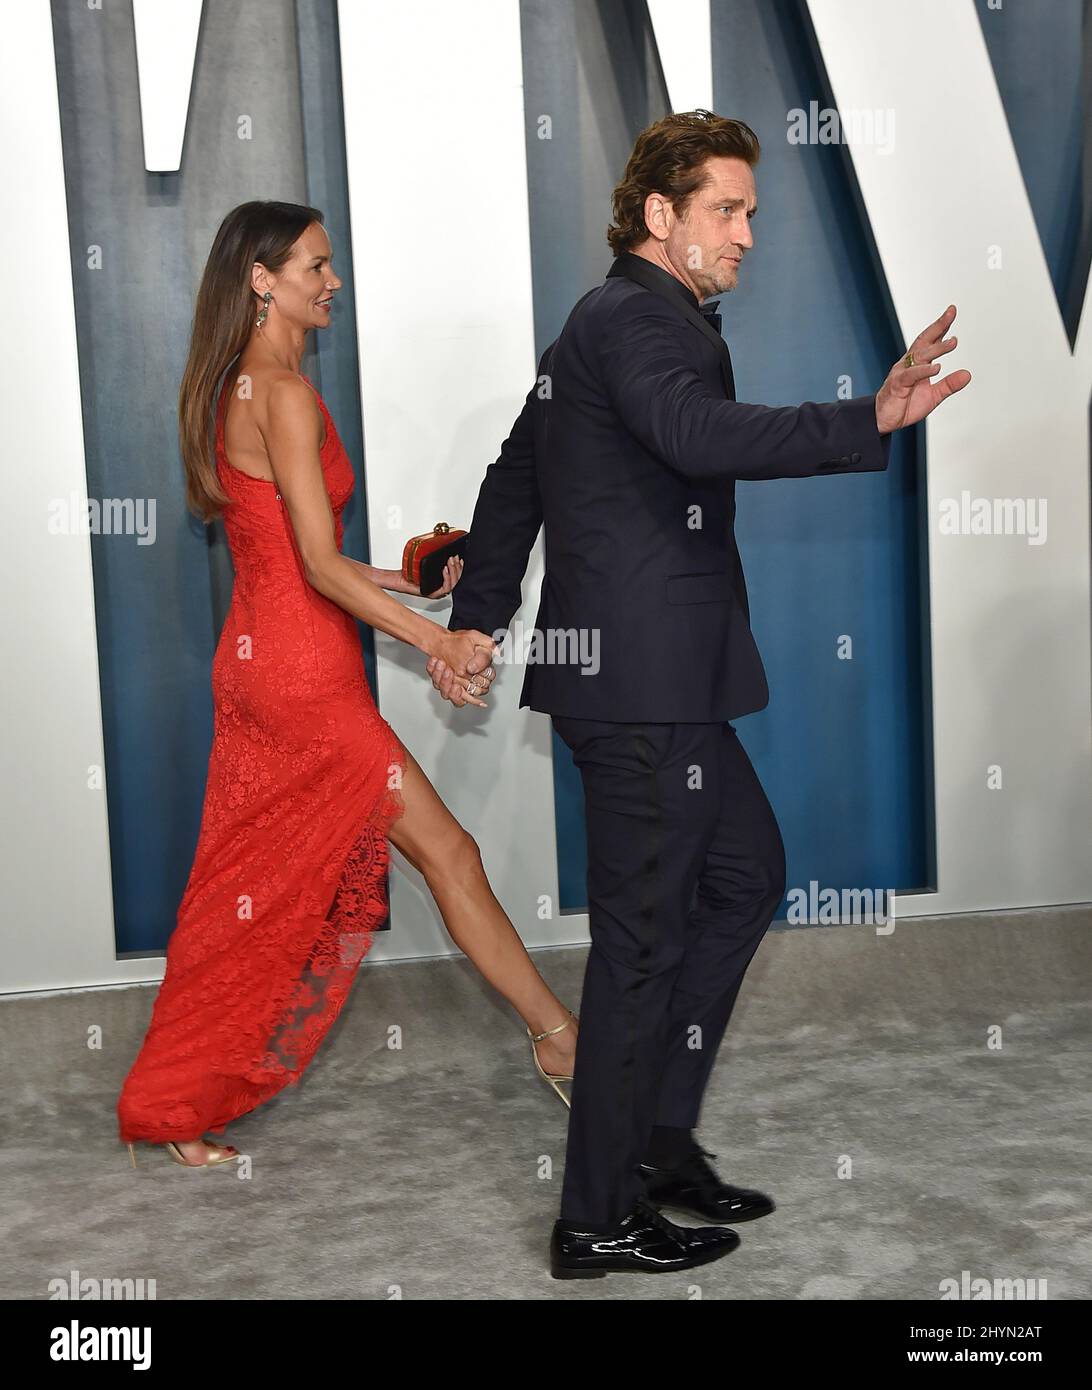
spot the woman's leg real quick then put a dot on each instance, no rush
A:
(447, 856)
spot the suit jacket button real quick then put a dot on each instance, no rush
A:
(855, 458)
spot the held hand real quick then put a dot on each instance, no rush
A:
(468, 653)
(908, 394)
(459, 690)
(453, 572)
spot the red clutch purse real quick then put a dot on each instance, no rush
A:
(424, 557)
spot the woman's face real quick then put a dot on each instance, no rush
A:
(304, 288)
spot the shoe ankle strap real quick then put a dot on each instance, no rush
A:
(537, 1037)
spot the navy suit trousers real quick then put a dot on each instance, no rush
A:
(686, 868)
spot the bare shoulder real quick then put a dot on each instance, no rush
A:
(284, 404)
(289, 398)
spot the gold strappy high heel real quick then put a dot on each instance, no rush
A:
(547, 1076)
(222, 1153)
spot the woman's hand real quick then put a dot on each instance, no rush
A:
(459, 690)
(395, 582)
(453, 572)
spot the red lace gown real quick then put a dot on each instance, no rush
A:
(289, 876)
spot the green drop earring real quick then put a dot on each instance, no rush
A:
(263, 312)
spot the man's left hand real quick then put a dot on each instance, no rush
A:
(908, 395)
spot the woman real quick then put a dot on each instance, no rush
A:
(307, 783)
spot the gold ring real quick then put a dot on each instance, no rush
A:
(908, 360)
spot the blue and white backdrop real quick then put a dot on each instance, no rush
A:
(926, 631)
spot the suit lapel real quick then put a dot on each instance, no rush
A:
(650, 277)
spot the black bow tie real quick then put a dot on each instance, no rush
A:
(710, 313)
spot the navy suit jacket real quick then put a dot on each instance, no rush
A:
(627, 450)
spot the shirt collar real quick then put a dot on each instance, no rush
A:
(668, 281)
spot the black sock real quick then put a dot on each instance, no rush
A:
(668, 1147)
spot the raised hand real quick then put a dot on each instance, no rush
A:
(908, 394)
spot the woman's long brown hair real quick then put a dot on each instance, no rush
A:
(223, 318)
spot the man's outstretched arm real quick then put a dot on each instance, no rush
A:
(648, 369)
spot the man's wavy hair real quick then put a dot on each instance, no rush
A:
(669, 159)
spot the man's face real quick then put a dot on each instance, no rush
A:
(708, 242)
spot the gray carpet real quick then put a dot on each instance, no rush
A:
(434, 1171)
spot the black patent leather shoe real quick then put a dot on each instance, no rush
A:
(694, 1188)
(643, 1242)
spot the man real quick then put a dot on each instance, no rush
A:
(627, 449)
